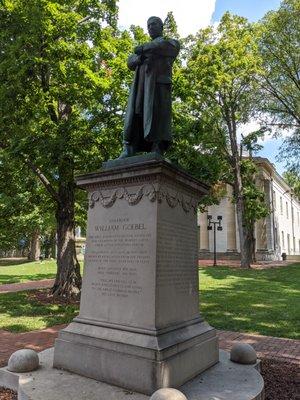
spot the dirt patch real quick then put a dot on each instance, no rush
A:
(7, 394)
(44, 296)
(282, 380)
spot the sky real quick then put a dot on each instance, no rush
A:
(191, 15)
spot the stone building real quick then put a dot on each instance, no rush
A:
(278, 233)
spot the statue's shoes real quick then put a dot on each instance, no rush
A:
(128, 151)
(156, 148)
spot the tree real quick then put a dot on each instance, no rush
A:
(221, 81)
(170, 27)
(61, 64)
(293, 180)
(25, 212)
(280, 100)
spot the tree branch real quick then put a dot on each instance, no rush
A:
(43, 179)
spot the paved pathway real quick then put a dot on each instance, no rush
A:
(36, 340)
(267, 347)
(18, 287)
(237, 263)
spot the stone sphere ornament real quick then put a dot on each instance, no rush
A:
(168, 394)
(24, 360)
(243, 353)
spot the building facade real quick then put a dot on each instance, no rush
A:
(275, 234)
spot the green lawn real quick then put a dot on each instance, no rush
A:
(20, 271)
(26, 271)
(266, 302)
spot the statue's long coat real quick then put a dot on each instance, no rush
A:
(151, 94)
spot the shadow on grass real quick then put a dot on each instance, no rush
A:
(20, 313)
(6, 262)
(8, 279)
(257, 301)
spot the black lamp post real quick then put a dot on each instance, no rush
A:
(209, 228)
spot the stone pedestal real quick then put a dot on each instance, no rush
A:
(139, 325)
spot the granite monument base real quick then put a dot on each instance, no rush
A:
(139, 325)
(136, 361)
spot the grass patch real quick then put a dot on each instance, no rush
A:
(16, 272)
(30, 310)
(264, 302)
(27, 271)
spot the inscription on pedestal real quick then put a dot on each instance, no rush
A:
(118, 252)
(177, 271)
(119, 264)
(176, 257)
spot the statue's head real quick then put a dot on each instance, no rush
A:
(155, 27)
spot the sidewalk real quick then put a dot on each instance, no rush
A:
(287, 350)
(18, 287)
(237, 263)
(281, 349)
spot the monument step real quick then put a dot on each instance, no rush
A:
(133, 360)
(224, 381)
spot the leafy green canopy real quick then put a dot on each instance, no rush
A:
(64, 84)
(58, 68)
(293, 180)
(280, 50)
(24, 206)
(217, 92)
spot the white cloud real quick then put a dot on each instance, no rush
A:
(245, 129)
(190, 15)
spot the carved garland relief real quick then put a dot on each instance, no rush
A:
(148, 190)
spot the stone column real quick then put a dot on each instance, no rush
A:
(269, 218)
(204, 237)
(261, 235)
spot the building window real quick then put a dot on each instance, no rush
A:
(282, 239)
(281, 208)
(287, 209)
(288, 244)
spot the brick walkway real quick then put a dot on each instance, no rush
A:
(267, 347)
(237, 263)
(18, 287)
(281, 349)
(36, 340)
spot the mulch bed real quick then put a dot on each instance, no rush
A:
(7, 394)
(282, 382)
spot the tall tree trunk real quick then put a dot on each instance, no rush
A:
(245, 249)
(245, 244)
(252, 243)
(35, 246)
(68, 280)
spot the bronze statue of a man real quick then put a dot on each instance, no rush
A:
(148, 116)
